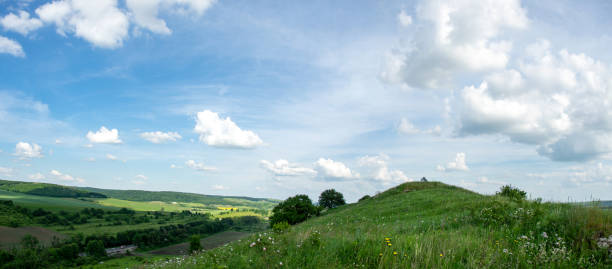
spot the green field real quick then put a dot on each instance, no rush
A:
(51, 203)
(426, 225)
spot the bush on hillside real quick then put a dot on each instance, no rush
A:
(194, 243)
(281, 227)
(95, 248)
(331, 199)
(293, 210)
(365, 197)
(512, 193)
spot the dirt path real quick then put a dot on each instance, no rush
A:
(209, 242)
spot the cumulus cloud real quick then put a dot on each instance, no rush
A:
(455, 37)
(144, 13)
(26, 150)
(404, 19)
(406, 127)
(111, 157)
(199, 166)
(485, 180)
(160, 137)
(558, 102)
(11, 47)
(285, 168)
(219, 187)
(21, 23)
(104, 136)
(592, 174)
(378, 170)
(218, 132)
(100, 22)
(330, 169)
(66, 177)
(37, 176)
(458, 165)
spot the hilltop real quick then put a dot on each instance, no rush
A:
(426, 225)
(46, 189)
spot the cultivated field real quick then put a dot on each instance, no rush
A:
(11, 237)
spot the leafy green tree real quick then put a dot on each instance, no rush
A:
(293, 210)
(194, 243)
(95, 248)
(29, 242)
(512, 193)
(331, 199)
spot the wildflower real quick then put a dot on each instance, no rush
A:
(389, 244)
(264, 248)
(394, 252)
(544, 235)
(380, 254)
(441, 255)
(252, 244)
(280, 263)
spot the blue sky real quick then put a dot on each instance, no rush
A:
(272, 99)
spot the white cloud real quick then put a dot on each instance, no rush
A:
(160, 137)
(330, 169)
(379, 170)
(485, 180)
(455, 37)
(141, 177)
(58, 141)
(597, 174)
(26, 150)
(144, 13)
(21, 23)
(104, 136)
(111, 157)
(199, 166)
(458, 165)
(91, 159)
(557, 102)
(173, 166)
(100, 22)
(218, 132)
(62, 176)
(37, 176)
(406, 127)
(404, 19)
(284, 168)
(11, 47)
(219, 187)
(6, 170)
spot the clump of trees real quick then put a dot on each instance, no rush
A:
(299, 208)
(512, 193)
(331, 199)
(194, 243)
(293, 210)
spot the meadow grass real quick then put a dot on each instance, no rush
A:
(50, 203)
(425, 225)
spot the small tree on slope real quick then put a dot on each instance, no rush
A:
(331, 199)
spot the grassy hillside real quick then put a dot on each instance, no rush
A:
(50, 203)
(169, 196)
(426, 225)
(45, 189)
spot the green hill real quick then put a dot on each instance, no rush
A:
(46, 189)
(182, 197)
(426, 225)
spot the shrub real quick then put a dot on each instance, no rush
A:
(331, 199)
(512, 193)
(194, 243)
(281, 227)
(293, 210)
(95, 248)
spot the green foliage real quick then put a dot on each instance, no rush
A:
(365, 197)
(293, 210)
(194, 243)
(281, 227)
(512, 192)
(29, 242)
(426, 225)
(331, 199)
(95, 248)
(45, 189)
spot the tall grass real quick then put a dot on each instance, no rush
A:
(425, 225)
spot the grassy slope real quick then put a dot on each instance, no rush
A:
(49, 203)
(45, 189)
(428, 225)
(169, 196)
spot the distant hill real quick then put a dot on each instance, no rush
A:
(170, 196)
(46, 189)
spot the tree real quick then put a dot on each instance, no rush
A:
(95, 248)
(423, 179)
(293, 210)
(29, 242)
(331, 199)
(194, 243)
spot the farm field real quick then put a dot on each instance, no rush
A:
(51, 203)
(11, 237)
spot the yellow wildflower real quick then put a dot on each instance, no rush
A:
(394, 252)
